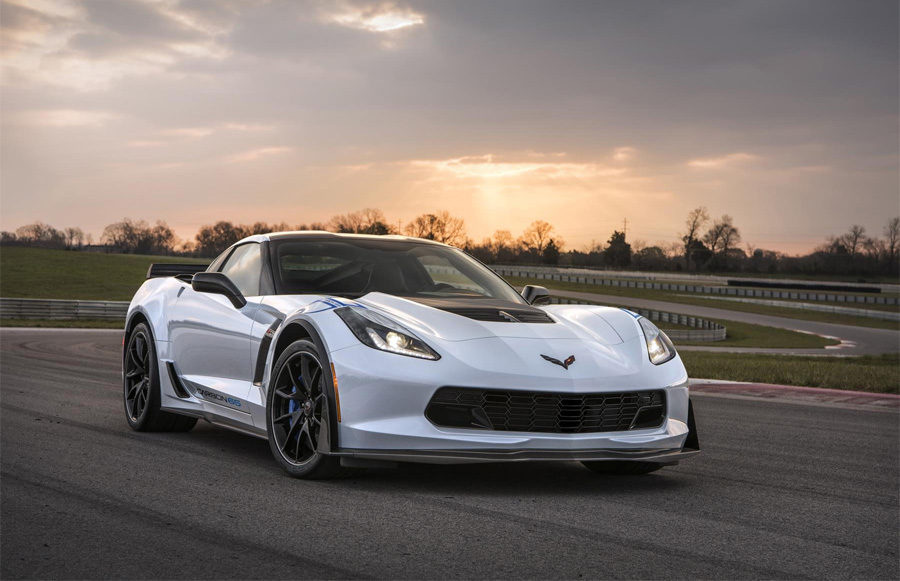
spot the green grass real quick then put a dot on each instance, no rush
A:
(748, 335)
(39, 273)
(673, 297)
(64, 323)
(877, 374)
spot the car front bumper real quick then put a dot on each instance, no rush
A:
(383, 398)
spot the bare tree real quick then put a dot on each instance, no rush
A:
(367, 221)
(696, 220)
(74, 237)
(730, 235)
(853, 239)
(213, 239)
(502, 240)
(40, 234)
(874, 248)
(138, 237)
(892, 241)
(537, 235)
(440, 226)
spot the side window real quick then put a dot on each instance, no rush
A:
(244, 268)
(217, 263)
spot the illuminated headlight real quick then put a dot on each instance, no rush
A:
(659, 347)
(379, 332)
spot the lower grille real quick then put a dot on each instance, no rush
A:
(549, 412)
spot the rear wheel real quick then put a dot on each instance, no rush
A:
(141, 388)
(624, 467)
(297, 414)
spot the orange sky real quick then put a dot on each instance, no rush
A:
(581, 114)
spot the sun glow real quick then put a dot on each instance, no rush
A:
(382, 19)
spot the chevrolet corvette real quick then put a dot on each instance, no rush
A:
(352, 351)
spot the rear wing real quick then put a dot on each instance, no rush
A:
(174, 269)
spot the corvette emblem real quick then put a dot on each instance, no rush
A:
(564, 364)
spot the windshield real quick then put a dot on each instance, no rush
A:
(353, 268)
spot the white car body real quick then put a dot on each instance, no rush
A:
(216, 361)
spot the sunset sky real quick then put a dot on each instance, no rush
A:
(782, 113)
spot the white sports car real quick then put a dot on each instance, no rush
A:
(349, 351)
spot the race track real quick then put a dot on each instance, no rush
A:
(781, 490)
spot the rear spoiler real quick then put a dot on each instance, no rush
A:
(174, 269)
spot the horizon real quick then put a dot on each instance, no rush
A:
(782, 115)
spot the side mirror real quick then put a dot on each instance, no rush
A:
(536, 295)
(218, 284)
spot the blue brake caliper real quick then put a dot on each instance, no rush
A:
(294, 405)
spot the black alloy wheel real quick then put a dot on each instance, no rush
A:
(298, 403)
(137, 375)
(141, 387)
(297, 413)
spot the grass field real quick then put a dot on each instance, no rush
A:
(39, 273)
(747, 335)
(878, 374)
(699, 301)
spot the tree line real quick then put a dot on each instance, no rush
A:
(706, 244)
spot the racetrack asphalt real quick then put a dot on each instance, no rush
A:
(867, 341)
(781, 490)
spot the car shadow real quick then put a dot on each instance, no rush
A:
(533, 479)
(526, 478)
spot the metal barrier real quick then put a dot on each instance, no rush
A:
(702, 289)
(856, 312)
(703, 329)
(62, 309)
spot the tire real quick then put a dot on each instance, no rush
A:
(297, 414)
(141, 387)
(622, 467)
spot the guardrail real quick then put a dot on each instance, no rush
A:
(116, 310)
(702, 289)
(62, 309)
(856, 312)
(703, 329)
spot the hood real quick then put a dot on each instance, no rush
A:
(467, 319)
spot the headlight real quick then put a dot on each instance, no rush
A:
(659, 347)
(379, 332)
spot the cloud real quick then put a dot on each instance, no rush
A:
(623, 154)
(191, 132)
(722, 161)
(62, 118)
(143, 143)
(486, 167)
(257, 153)
(380, 18)
(88, 47)
(247, 127)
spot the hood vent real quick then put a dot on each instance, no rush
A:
(489, 310)
(495, 315)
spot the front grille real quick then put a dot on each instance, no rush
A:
(550, 412)
(502, 315)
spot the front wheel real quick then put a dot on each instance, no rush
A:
(297, 414)
(622, 467)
